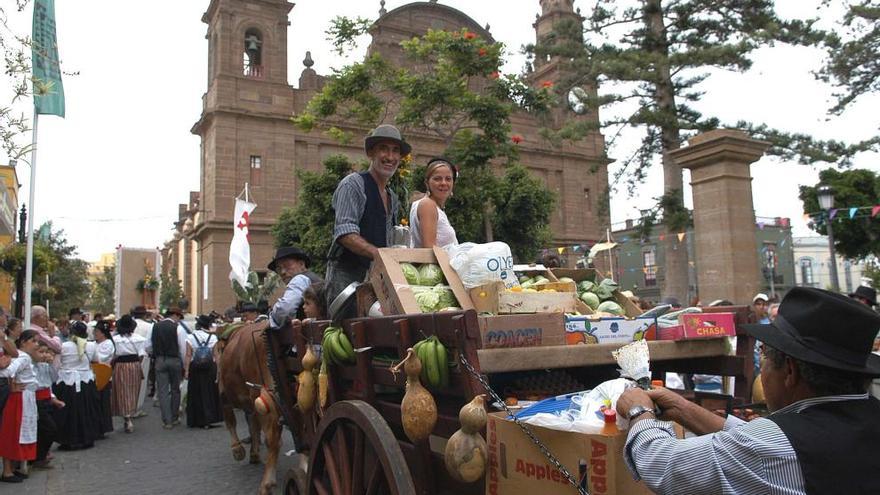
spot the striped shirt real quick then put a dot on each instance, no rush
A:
(745, 457)
(349, 202)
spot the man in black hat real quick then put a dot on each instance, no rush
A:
(292, 265)
(865, 295)
(823, 435)
(366, 211)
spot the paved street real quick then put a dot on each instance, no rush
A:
(152, 460)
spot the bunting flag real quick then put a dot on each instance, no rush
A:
(785, 222)
(874, 211)
(662, 237)
(852, 212)
(561, 250)
(680, 236)
(832, 213)
(760, 225)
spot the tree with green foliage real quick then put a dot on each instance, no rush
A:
(651, 58)
(257, 290)
(102, 295)
(450, 89)
(309, 224)
(858, 237)
(67, 285)
(853, 62)
(170, 290)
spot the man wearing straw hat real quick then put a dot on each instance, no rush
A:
(823, 435)
(366, 211)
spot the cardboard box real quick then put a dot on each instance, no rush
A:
(539, 329)
(517, 466)
(578, 274)
(708, 325)
(392, 289)
(495, 298)
(700, 326)
(587, 330)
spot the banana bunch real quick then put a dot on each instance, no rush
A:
(435, 365)
(337, 347)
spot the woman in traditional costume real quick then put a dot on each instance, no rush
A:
(127, 371)
(18, 430)
(78, 422)
(202, 396)
(105, 351)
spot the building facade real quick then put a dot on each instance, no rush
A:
(246, 136)
(8, 222)
(639, 259)
(812, 258)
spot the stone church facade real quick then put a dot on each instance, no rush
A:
(246, 137)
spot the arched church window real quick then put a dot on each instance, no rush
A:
(253, 53)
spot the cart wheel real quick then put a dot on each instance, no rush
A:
(296, 479)
(356, 452)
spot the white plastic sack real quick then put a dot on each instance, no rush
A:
(478, 264)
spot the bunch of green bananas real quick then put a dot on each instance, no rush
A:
(336, 346)
(435, 367)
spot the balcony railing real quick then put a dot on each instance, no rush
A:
(254, 71)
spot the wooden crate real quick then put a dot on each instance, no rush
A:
(494, 298)
(394, 292)
(533, 270)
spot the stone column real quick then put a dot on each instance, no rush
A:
(724, 216)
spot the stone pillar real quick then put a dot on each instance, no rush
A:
(724, 216)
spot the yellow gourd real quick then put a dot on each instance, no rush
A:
(305, 393)
(418, 409)
(323, 384)
(466, 452)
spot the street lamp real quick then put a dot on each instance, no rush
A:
(826, 202)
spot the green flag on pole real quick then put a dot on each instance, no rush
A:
(48, 91)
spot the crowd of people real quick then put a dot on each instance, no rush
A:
(63, 382)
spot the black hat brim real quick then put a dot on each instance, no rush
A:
(872, 301)
(782, 339)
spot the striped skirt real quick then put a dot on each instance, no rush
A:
(127, 379)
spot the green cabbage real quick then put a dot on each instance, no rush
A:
(586, 286)
(605, 289)
(428, 301)
(411, 273)
(446, 297)
(611, 307)
(430, 274)
(591, 300)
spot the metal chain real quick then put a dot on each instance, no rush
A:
(544, 450)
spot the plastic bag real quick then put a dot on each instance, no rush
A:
(585, 414)
(478, 264)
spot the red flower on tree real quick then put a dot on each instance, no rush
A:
(469, 35)
(516, 138)
(482, 52)
(495, 75)
(547, 84)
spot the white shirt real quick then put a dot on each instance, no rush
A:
(445, 232)
(290, 301)
(105, 351)
(204, 337)
(22, 370)
(76, 369)
(130, 344)
(143, 327)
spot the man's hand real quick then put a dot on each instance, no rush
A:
(631, 398)
(5, 361)
(50, 328)
(672, 405)
(58, 404)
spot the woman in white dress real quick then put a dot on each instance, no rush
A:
(104, 353)
(127, 371)
(78, 422)
(429, 225)
(202, 395)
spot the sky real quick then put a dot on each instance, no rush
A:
(114, 170)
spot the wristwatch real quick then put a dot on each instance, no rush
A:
(636, 411)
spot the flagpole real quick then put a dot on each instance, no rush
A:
(29, 263)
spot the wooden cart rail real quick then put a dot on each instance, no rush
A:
(574, 356)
